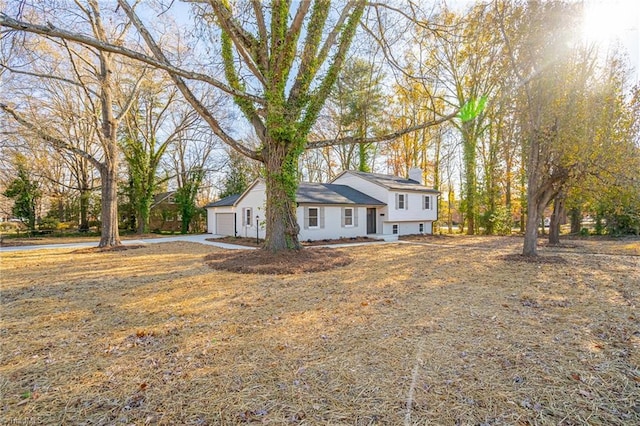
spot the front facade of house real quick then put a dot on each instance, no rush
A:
(355, 204)
(409, 207)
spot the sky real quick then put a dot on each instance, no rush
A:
(615, 22)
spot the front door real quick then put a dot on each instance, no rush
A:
(371, 220)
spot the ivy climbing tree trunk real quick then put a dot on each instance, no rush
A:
(281, 223)
(469, 146)
(281, 60)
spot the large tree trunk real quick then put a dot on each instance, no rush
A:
(83, 225)
(469, 145)
(282, 225)
(530, 247)
(556, 216)
(143, 214)
(576, 220)
(110, 235)
(536, 203)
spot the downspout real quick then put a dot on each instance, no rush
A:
(437, 212)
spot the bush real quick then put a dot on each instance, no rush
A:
(8, 226)
(49, 223)
(625, 223)
(497, 221)
(63, 226)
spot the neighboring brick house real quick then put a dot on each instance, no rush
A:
(165, 213)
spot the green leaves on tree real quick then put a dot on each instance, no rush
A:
(472, 109)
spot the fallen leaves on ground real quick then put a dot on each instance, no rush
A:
(424, 332)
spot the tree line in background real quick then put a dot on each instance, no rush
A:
(505, 108)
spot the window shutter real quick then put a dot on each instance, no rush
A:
(355, 216)
(321, 217)
(397, 197)
(342, 221)
(406, 201)
(306, 218)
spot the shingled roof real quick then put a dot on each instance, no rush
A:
(225, 202)
(316, 193)
(330, 193)
(392, 182)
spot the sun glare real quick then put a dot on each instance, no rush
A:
(607, 21)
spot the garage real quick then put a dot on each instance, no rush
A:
(225, 224)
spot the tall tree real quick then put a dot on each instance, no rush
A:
(240, 173)
(156, 120)
(467, 57)
(540, 42)
(280, 63)
(95, 72)
(189, 159)
(359, 99)
(25, 194)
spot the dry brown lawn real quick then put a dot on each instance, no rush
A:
(436, 331)
(43, 240)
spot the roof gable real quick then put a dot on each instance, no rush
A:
(313, 193)
(390, 181)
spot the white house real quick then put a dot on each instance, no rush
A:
(354, 204)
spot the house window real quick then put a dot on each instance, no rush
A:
(421, 228)
(247, 217)
(313, 217)
(348, 217)
(394, 229)
(427, 202)
(401, 201)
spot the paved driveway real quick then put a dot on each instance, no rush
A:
(200, 238)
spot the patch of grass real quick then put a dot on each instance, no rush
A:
(416, 332)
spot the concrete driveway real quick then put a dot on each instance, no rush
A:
(200, 238)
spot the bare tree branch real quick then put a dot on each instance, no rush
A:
(184, 89)
(41, 133)
(49, 76)
(51, 31)
(386, 137)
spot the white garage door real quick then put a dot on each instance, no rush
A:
(225, 223)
